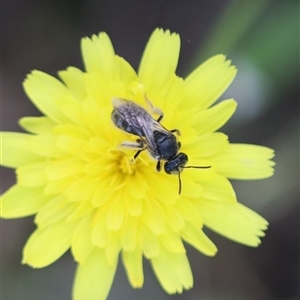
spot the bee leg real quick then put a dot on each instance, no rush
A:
(134, 145)
(138, 153)
(155, 110)
(158, 166)
(176, 130)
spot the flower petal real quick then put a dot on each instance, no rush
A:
(213, 118)
(133, 263)
(241, 161)
(172, 241)
(113, 247)
(81, 243)
(173, 271)
(126, 74)
(57, 209)
(115, 213)
(189, 211)
(148, 241)
(208, 82)
(44, 90)
(32, 174)
(20, 201)
(94, 279)
(174, 218)
(162, 47)
(219, 189)
(129, 233)
(48, 244)
(45, 146)
(39, 125)
(99, 56)
(207, 145)
(197, 238)
(153, 215)
(16, 150)
(64, 168)
(74, 80)
(234, 221)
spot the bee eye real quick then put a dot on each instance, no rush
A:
(176, 164)
(172, 167)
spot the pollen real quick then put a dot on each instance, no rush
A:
(127, 165)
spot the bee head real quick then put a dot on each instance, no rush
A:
(177, 164)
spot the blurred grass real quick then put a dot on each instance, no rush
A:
(273, 42)
(230, 28)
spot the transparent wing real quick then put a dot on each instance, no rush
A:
(139, 121)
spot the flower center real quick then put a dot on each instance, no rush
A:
(126, 165)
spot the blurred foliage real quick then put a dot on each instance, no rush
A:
(262, 38)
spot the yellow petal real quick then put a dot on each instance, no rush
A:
(94, 115)
(44, 91)
(162, 47)
(82, 242)
(207, 145)
(16, 150)
(133, 263)
(73, 146)
(172, 241)
(241, 161)
(219, 189)
(153, 215)
(74, 80)
(98, 56)
(166, 191)
(115, 213)
(47, 245)
(57, 187)
(45, 145)
(189, 211)
(212, 119)
(208, 82)
(134, 206)
(126, 73)
(63, 168)
(39, 125)
(94, 279)
(174, 218)
(32, 174)
(57, 209)
(19, 201)
(82, 189)
(197, 238)
(148, 241)
(234, 221)
(173, 271)
(113, 247)
(71, 108)
(100, 232)
(129, 233)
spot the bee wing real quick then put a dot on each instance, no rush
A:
(132, 114)
(140, 122)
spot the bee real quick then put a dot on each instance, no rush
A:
(160, 142)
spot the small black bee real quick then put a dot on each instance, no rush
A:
(161, 143)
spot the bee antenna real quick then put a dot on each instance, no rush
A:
(187, 167)
(179, 180)
(197, 167)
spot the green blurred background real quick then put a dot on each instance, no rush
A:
(262, 39)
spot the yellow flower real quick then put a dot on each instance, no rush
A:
(88, 195)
